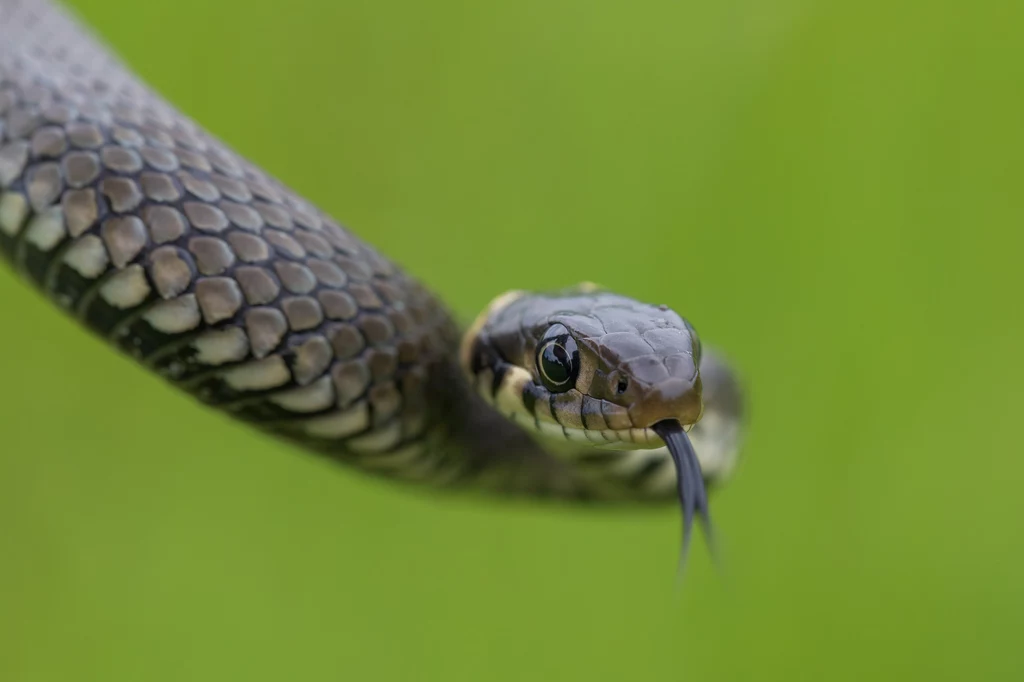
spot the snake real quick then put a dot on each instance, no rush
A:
(209, 272)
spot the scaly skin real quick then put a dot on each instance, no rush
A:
(208, 271)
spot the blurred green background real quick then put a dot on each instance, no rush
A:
(831, 192)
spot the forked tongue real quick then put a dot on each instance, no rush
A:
(692, 496)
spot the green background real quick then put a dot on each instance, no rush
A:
(831, 192)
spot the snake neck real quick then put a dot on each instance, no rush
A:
(492, 453)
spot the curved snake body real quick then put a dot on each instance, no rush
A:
(230, 285)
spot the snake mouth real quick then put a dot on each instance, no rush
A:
(690, 481)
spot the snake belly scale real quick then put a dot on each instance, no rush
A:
(213, 274)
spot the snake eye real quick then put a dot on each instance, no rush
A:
(558, 361)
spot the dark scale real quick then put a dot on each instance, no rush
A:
(155, 348)
(103, 318)
(36, 263)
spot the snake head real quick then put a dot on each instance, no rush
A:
(586, 365)
(597, 368)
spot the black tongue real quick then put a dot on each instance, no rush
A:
(692, 494)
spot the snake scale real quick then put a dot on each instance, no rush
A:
(211, 273)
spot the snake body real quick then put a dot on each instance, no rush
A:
(218, 277)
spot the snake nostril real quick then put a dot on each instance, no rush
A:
(622, 386)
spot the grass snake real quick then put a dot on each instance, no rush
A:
(216, 276)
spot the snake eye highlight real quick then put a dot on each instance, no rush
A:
(558, 361)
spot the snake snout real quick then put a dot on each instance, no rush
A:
(673, 399)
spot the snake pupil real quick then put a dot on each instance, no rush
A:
(555, 364)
